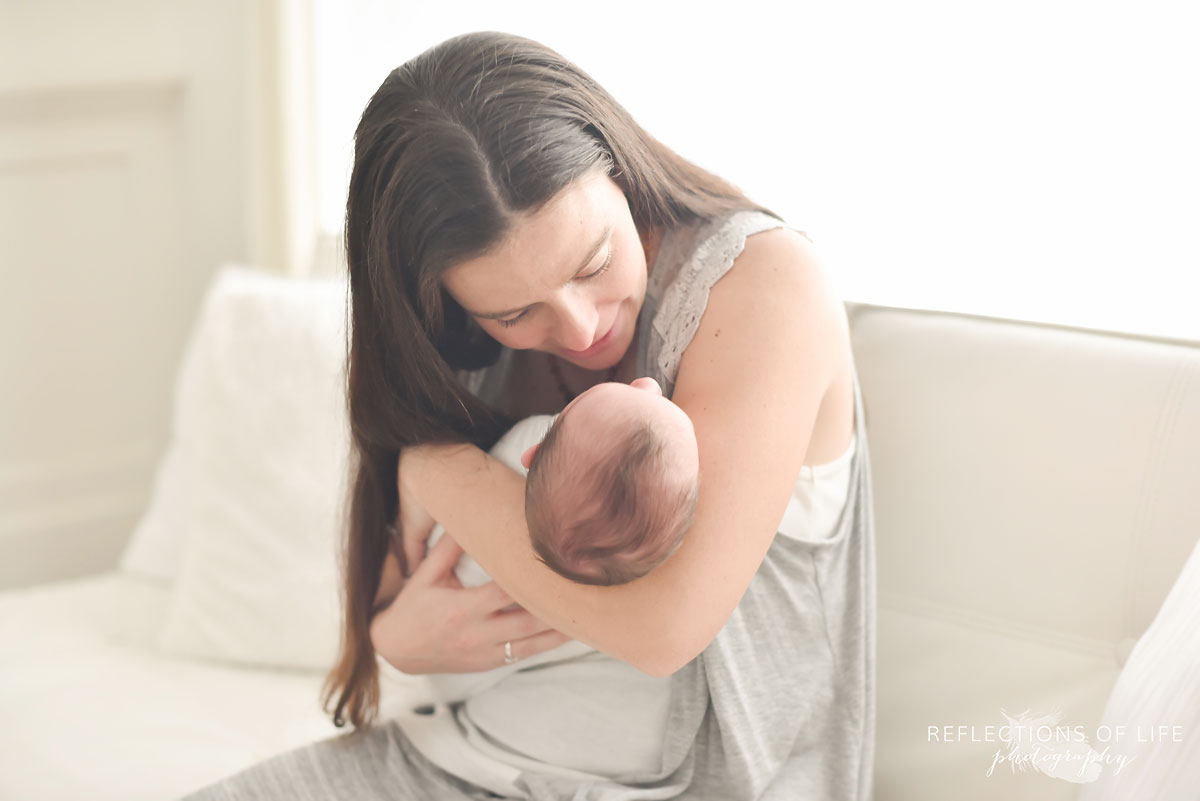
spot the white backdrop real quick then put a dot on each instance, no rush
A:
(1030, 160)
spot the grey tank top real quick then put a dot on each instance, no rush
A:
(781, 704)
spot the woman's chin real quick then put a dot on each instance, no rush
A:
(604, 359)
(591, 365)
(603, 354)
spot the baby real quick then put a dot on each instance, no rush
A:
(610, 489)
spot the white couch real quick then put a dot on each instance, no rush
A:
(1035, 501)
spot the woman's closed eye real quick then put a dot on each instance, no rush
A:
(513, 321)
(596, 274)
(603, 267)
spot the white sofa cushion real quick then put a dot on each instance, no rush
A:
(92, 711)
(248, 505)
(1034, 500)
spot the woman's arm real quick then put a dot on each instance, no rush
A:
(768, 348)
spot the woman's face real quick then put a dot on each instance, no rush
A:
(568, 280)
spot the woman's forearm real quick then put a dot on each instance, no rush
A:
(481, 504)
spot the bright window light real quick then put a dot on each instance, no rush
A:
(1027, 160)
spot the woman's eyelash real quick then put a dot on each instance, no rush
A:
(605, 266)
(607, 263)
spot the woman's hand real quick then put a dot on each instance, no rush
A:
(436, 626)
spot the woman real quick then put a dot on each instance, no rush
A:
(514, 237)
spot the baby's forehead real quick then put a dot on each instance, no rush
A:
(603, 400)
(613, 410)
(602, 425)
(615, 416)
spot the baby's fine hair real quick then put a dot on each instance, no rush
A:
(614, 518)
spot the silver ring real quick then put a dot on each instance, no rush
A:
(508, 656)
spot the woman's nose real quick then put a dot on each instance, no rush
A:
(577, 323)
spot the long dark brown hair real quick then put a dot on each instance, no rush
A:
(453, 149)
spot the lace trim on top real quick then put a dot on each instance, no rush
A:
(684, 301)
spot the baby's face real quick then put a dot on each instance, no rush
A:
(612, 405)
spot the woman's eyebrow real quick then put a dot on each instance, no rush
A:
(591, 254)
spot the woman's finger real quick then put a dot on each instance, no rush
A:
(439, 561)
(490, 598)
(515, 625)
(414, 523)
(413, 542)
(391, 580)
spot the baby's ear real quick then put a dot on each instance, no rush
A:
(527, 457)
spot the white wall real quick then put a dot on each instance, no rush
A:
(127, 153)
(1032, 159)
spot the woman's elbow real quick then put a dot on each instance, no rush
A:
(666, 634)
(662, 668)
(668, 654)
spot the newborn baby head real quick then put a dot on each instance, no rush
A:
(612, 487)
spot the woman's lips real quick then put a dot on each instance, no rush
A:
(598, 345)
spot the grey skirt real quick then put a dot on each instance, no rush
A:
(378, 764)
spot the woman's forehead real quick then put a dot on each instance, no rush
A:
(541, 252)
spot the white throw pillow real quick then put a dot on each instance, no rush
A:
(1157, 701)
(249, 500)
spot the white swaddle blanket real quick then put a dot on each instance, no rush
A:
(570, 711)
(451, 687)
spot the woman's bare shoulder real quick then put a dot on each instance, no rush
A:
(778, 273)
(752, 380)
(834, 425)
